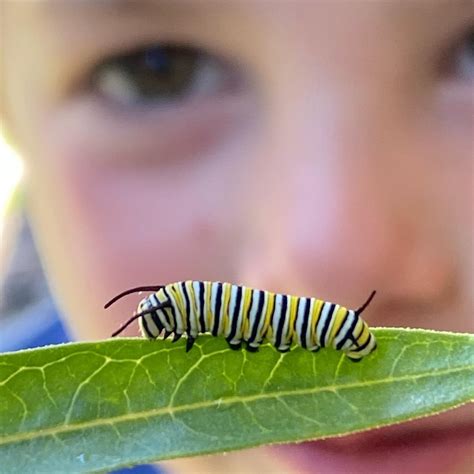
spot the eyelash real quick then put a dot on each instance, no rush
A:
(162, 74)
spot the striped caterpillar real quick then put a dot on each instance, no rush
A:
(244, 314)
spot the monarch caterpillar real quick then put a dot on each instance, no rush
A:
(244, 314)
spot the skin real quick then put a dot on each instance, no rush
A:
(341, 162)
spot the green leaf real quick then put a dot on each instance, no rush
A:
(94, 406)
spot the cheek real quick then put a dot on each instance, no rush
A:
(103, 229)
(143, 223)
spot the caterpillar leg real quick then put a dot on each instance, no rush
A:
(176, 337)
(189, 343)
(283, 349)
(234, 345)
(252, 348)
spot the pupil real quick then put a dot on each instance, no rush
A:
(163, 72)
(157, 59)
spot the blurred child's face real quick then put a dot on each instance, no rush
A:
(313, 148)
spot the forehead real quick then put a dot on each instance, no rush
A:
(53, 8)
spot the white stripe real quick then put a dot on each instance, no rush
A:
(252, 314)
(213, 304)
(168, 326)
(299, 320)
(207, 289)
(151, 325)
(160, 312)
(344, 329)
(322, 319)
(148, 305)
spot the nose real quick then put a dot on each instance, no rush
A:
(342, 219)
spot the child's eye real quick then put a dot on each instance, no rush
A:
(463, 58)
(162, 74)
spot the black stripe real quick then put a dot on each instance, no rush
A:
(322, 343)
(217, 310)
(156, 303)
(344, 320)
(247, 316)
(281, 322)
(202, 316)
(235, 315)
(318, 316)
(349, 331)
(157, 321)
(258, 316)
(273, 310)
(304, 327)
(187, 308)
(363, 346)
(173, 311)
(147, 329)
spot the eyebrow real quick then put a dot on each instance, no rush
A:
(52, 7)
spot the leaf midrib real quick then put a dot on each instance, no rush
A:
(171, 410)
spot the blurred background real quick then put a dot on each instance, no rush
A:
(28, 316)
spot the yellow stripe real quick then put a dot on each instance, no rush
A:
(174, 288)
(190, 296)
(270, 305)
(225, 310)
(245, 322)
(314, 320)
(178, 299)
(364, 336)
(340, 315)
(207, 289)
(293, 305)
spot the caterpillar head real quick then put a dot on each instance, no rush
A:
(143, 305)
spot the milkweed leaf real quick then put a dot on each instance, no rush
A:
(84, 407)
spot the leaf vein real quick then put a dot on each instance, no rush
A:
(172, 410)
